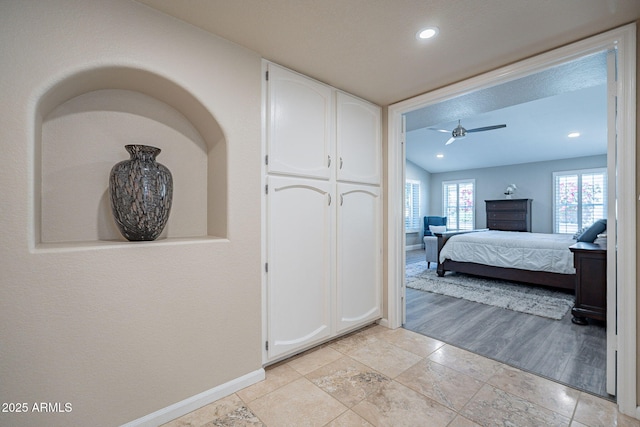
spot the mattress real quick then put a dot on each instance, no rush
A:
(512, 249)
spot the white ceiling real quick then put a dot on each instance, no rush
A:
(369, 48)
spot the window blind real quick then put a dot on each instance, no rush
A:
(459, 204)
(412, 205)
(580, 199)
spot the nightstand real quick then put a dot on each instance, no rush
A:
(590, 261)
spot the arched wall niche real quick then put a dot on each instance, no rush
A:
(81, 126)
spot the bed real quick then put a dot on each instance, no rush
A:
(535, 258)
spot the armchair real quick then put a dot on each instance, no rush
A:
(431, 241)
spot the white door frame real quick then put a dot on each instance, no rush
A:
(624, 40)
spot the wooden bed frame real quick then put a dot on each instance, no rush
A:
(543, 278)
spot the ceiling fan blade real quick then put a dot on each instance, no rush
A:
(440, 130)
(486, 128)
(450, 141)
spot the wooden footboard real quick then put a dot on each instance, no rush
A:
(442, 239)
(543, 278)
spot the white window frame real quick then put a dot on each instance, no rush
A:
(454, 223)
(412, 221)
(579, 173)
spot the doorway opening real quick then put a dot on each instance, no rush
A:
(622, 311)
(530, 144)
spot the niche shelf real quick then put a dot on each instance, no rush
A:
(82, 126)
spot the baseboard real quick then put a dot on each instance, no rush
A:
(383, 322)
(412, 247)
(192, 403)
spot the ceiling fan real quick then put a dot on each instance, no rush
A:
(460, 132)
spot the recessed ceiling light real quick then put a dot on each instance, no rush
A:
(427, 33)
(439, 156)
(574, 134)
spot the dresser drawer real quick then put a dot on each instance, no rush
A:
(507, 225)
(507, 205)
(508, 216)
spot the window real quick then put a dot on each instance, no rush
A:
(412, 205)
(459, 204)
(580, 199)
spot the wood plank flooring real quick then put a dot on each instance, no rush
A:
(555, 349)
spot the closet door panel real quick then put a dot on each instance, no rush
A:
(358, 140)
(300, 229)
(299, 125)
(359, 267)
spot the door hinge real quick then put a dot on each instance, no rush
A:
(266, 159)
(266, 267)
(266, 74)
(266, 189)
(266, 345)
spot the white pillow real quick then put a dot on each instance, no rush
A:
(437, 228)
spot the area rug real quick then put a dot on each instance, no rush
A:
(535, 300)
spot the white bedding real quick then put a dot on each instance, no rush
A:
(526, 251)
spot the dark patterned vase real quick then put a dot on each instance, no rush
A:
(141, 190)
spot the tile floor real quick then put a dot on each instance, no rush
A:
(383, 377)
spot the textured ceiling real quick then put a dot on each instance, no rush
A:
(369, 48)
(571, 76)
(536, 131)
(540, 110)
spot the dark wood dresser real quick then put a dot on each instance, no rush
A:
(590, 261)
(509, 214)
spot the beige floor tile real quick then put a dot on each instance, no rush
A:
(596, 412)
(310, 361)
(432, 381)
(242, 417)
(353, 342)
(407, 340)
(444, 385)
(461, 421)
(297, 404)
(373, 329)
(348, 380)
(228, 408)
(626, 421)
(385, 358)
(396, 405)
(276, 377)
(491, 406)
(466, 362)
(543, 392)
(349, 419)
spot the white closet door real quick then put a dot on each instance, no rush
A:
(358, 140)
(299, 252)
(299, 120)
(359, 266)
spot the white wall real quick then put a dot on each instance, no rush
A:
(534, 181)
(416, 173)
(120, 329)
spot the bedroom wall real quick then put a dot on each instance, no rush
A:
(416, 173)
(534, 181)
(116, 329)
